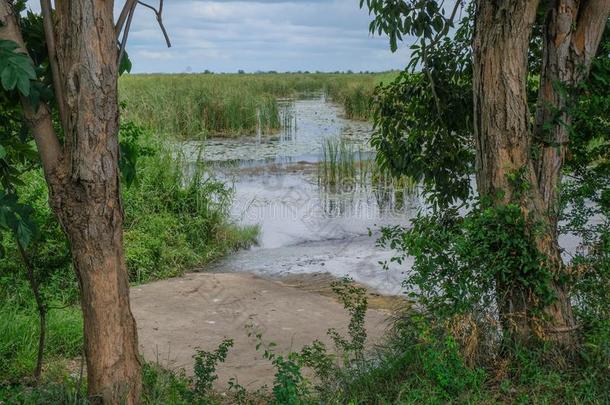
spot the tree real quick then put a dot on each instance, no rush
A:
(470, 90)
(79, 152)
(504, 137)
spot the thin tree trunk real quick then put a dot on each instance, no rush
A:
(42, 310)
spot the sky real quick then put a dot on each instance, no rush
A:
(259, 35)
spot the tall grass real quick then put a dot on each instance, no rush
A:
(345, 166)
(174, 222)
(201, 105)
(177, 219)
(19, 339)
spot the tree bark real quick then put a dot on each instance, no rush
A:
(504, 136)
(572, 32)
(571, 36)
(502, 129)
(84, 188)
(89, 203)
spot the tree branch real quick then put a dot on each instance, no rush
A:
(159, 14)
(439, 36)
(49, 33)
(128, 14)
(592, 18)
(122, 17)
(39, 121)
(126, 32)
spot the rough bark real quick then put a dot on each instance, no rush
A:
(504, 136)
(572, 32)
(84, 189)
(502, 130)
(89, 203)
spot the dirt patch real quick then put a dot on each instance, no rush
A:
(321, 283)
(177, 316)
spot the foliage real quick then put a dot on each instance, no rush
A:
(458, 260)
(16, 69)
(355, 303)
(172, 223)
(423, 120)
(205, 366)
(289, 386)
(176, 220)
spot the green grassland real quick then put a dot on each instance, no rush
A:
(191, 106)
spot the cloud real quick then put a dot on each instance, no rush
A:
(281, 35)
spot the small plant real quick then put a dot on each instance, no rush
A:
(289, 386)
(205, 367)
(355, 302)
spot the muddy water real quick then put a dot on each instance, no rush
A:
(305, 228)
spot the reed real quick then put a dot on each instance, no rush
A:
(345, 166)
(195, 106)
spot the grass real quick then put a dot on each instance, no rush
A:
(196, 106)
(175, 222)
(19, 339)
(345, 166)
(421, 361)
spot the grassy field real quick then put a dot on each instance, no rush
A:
(200, 105)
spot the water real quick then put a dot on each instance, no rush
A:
(306, 228)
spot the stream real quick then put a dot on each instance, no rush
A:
(304, 226)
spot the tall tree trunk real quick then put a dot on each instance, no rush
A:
(84, 188)
(504, 136)
(571, 36)
(88, 203)
(503, 139)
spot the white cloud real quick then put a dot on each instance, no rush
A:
(282, 35)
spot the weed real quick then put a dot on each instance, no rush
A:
(205, 366)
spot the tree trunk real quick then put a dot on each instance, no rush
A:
(572, 32)
(88, 201)
(84, 188)
(111, 346)
(503, 137)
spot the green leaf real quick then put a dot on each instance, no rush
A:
(125, 65)
(23, 85)
(8, 78)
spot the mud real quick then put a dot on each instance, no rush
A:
(178, 316)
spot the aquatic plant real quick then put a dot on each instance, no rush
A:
(194, 106)
(345, 166)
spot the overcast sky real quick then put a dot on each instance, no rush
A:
(224, 36)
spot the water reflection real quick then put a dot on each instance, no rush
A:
(277, 185)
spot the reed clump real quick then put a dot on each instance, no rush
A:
(344, 165)
(195, 106)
